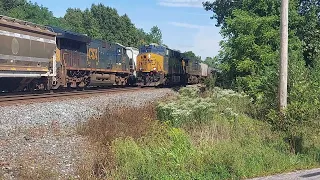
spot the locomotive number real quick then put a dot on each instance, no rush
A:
(93, 54)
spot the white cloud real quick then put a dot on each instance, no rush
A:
(181, 3)
(186, 25)
(205, 41)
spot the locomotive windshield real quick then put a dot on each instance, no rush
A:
(153, 49)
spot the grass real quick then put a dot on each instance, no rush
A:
(102, 131)
(194, 136)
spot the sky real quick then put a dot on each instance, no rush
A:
(184, 24)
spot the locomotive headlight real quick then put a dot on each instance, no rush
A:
(149, 56)
(154, 69)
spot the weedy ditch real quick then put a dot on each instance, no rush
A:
(197, 135)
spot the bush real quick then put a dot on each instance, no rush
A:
(205, 136)
(191, 108)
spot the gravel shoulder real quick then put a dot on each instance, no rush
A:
(40, 138)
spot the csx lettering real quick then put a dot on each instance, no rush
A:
(93, 54)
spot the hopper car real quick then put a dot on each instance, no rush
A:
(35, 57)
(26, 55)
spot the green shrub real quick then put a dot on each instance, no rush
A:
(168, 153)
(191, 108)
(207, 136)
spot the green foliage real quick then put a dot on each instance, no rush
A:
(191, 55)
(212, 62)
(145, 159)
(225, 145)
(210, 82)
(250, 58)
(105, 23)
(155, 35)
(191, 109)
(98, 22)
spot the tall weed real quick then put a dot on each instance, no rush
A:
(201, 136)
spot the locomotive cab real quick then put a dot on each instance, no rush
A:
(150, 65)
(158, 65)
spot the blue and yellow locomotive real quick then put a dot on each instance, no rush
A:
(158, 65)
(83, 62)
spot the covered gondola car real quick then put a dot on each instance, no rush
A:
(158, 65)
(193, 70)
(83, 62)
(27, 58)
(196, 71)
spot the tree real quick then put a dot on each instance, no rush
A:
(303, 15)
(99, 22)
(74, 18)
(2, 11)
(212, 62)
(155, 35)
(90, 25)
(8, 5)
(308, 30)
(249, 57)
(191, 55)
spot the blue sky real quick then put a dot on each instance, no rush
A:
(185, 25)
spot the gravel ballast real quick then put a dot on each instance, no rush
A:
(41, 135)
(68, 112)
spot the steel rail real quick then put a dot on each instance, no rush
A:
(13, 98)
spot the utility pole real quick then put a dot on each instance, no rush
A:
(283, 94)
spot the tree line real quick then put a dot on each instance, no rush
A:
(250, 54)
(99, 22)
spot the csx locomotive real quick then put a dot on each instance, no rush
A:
(35, 57)
(158, 65)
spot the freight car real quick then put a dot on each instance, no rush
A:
(132, 53)
(193, 70)
(27, 59)
(196, 71)
(158, 65)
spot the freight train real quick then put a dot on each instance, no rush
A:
(35, 57)
(160, 66)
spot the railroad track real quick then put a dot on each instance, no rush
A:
(30, 98)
